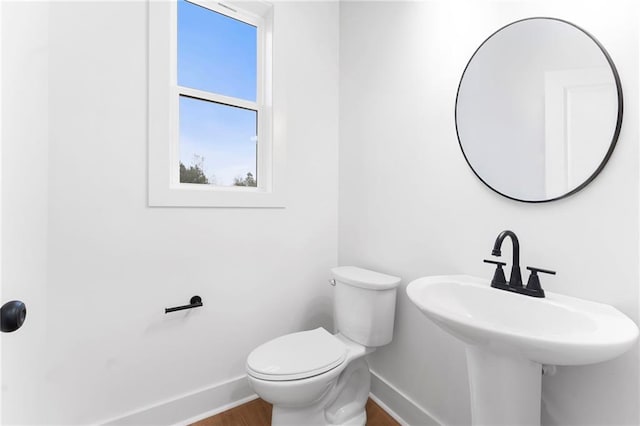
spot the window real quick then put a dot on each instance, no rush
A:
(210, 109)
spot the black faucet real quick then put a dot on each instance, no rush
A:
(533, 287)
(515, 280)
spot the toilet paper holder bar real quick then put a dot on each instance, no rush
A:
(195, 302)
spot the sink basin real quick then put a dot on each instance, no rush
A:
(509, 336)
(558, 330)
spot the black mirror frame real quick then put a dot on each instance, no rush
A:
(616, 133)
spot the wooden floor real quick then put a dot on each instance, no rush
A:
(258, 413)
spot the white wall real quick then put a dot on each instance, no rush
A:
(409, 205)
(114, 264)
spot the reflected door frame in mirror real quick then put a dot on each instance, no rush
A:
(551, 109)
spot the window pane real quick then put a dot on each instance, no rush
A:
(216, 53)
(218, 143)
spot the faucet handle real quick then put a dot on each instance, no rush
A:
(499, 280)
(544, 271)
(533, 285)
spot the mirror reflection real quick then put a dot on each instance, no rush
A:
(539, 109)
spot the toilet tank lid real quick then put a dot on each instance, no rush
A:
(364, 278)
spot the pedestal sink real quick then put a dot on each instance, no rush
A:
(509, 336)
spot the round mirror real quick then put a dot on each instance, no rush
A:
(539, 110)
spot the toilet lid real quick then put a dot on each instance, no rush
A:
(296, 356)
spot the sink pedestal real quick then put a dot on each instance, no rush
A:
(505, 390)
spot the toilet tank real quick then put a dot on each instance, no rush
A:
(364, 305)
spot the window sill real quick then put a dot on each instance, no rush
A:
(209, 196)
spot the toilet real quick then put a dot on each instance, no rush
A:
(314, 377)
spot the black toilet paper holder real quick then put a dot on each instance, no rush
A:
(195, 302)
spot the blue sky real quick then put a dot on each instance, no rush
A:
(217, 54)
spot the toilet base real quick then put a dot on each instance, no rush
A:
(309, 417)
(343, 405)
(359, 420)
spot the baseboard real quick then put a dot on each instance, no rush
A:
(194, 406)
(399, 406)
(191, 407)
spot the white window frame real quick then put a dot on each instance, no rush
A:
(165, 188)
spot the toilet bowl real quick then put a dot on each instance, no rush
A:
(316, 378)
(327, 367)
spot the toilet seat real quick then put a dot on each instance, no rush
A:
(297, 356)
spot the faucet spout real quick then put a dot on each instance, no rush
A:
(515, 279)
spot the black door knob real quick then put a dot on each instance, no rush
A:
(12, 316)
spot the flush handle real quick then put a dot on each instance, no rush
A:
(332, 282)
